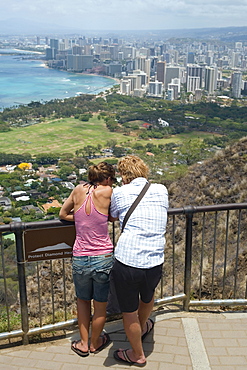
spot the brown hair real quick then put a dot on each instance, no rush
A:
(100, 172)
(131, 167)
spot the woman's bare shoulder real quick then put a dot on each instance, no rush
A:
(81, 188)
(103, 190)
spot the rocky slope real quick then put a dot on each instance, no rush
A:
(219, 241)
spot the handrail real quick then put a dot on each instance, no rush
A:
(18, 228)
(13, 226)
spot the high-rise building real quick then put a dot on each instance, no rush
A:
(88, 50)
(191, 58)
(77, 50)
(236, 84)
(129, 52)
(113, 49)
(193, 83)
(155, 88)
(143, 64)
(141, 78)
(144, 52)
(172, 72)
(79, 63)
(50, 53)
(176, 81)
(210, 79)
(235, 61)
(132, 81)
(113, 69)
(167, 57)
(209, 58)
(125, 86)
(54, 43)
(161, 72)
(175, 56)
(66, 43)
(172, 91)
(194, 70)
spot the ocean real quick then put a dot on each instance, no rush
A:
(26, 80)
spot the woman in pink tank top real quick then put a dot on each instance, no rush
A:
(88, 206)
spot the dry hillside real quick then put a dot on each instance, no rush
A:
(219, 180)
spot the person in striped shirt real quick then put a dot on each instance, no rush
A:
(139, 253)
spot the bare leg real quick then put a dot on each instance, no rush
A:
(83, 315)
(144, 312)
(133, 331)
(98, 322)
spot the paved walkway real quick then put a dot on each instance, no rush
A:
(179, 341)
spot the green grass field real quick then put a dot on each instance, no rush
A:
(58, 136)
(68, 135)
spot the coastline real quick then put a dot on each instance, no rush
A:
(117, 80)
(56, 85)
(29, 52)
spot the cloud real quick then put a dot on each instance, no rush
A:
(129, 14)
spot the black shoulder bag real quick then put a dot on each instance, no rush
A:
(135, 203)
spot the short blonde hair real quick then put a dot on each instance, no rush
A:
(131, 167)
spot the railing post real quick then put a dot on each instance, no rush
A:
(17, 228)
(188, 255)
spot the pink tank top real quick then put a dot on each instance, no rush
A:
(92, 237)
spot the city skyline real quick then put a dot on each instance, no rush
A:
(116, 15)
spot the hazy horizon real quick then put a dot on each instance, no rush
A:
(119, 15)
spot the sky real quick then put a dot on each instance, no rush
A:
(124, 14)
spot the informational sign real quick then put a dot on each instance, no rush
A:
(47, 244)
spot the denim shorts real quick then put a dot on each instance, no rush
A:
(91, 276)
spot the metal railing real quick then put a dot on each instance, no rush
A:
(205, 265)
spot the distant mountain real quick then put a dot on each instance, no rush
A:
(17, 26)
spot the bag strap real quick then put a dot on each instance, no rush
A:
(135, 203)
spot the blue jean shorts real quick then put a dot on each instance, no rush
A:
(91, 276)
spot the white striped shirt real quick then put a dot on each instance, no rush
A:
(142, 242)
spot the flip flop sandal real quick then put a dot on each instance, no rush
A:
(149, 328)
(126, 359)
(105, 343)
(77, 350)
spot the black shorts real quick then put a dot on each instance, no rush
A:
(133, 283)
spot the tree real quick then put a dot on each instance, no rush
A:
(89, 151)
(47, 158)
(4, 126)
(118, 151)
(111, 143)
(53, 211)
(191, 151)
(65, 171)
